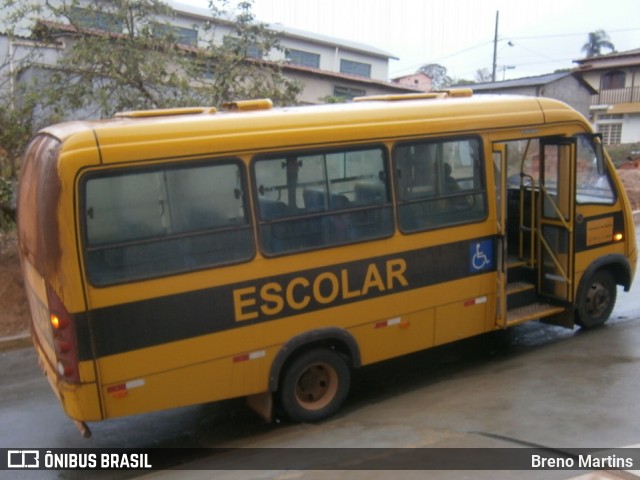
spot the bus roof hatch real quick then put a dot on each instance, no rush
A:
(166, 112)
(247, 105)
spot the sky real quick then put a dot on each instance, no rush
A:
(534, 36)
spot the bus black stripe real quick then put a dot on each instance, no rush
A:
(131, 326)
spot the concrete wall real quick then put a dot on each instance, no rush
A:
(318, 86)
(631, 128)
(419, 81)
(569, 90)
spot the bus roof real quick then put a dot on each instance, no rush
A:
(134, 136)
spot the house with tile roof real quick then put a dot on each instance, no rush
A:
(615, 106)
(328, 68)
(564, 86)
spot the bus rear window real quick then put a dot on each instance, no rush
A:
(143, 224)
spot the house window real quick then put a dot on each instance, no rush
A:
(348, 93)
(610, 116)
(615, 79)
(249, 50)
(611, 133)
(254, 51)
(355, 68)
(96, 19)
(305, 59)
(180, 35)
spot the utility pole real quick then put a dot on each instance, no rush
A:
(495, 49)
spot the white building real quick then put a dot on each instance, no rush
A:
(616, 107)
(327, 67)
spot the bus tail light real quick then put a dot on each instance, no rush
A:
(64, 338)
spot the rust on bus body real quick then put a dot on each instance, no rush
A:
(40, 189)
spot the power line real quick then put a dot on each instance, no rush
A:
(439, 59)
(531, 37)
(561, 35)
(536, 53)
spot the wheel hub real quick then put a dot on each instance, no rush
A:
(598, 299)
(316, 386)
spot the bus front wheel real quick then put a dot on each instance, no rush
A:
(597, 300)
(314, 385)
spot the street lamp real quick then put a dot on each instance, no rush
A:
(505, 68)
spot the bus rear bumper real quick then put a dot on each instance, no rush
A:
(80, 402)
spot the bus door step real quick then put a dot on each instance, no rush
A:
(532, 311)
(520, 293)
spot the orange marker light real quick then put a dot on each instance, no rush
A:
(57, 322)
(617, 237)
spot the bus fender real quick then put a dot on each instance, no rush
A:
(331, 337)
(615, 263)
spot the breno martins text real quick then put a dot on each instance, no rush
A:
(582, 462)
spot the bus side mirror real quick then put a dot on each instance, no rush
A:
(599, 150)
(600, 158)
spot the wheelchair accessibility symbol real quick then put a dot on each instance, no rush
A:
(481, 256)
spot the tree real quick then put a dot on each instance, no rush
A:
(17, 104)
(483, 75)
(596, 42)
(18, 101)
(137, 61)
(122, 55)
(438, 75)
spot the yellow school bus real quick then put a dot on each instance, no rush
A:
(175, 257)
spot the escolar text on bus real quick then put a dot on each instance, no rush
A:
(325, 288)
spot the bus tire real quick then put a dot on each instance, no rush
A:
(315, 385)
(596, 300)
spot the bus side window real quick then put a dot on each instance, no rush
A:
(122, 208)
(145, 224)
(321, 199)
(439, 183)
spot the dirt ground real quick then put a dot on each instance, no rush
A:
(631, 180)
(14, 313)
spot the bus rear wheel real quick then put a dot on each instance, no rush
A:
(597, 300)
(315, 385)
